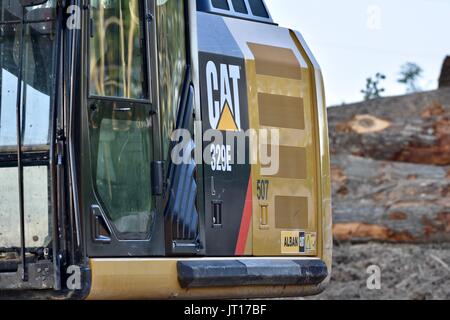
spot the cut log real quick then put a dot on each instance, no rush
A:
(413, 128)
(390, 201)
(444, 79)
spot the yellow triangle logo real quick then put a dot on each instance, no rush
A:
(227, 122)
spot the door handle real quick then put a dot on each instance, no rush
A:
(100, 230)
(157, 176)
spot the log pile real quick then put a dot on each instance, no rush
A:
(391, 168)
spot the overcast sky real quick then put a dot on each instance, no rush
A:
(354, 39)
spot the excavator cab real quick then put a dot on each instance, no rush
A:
(160, 149)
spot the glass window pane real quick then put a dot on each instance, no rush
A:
(38, 88)
(239, 6)
(36, 202)
(116, 54)
(37, 77)
(36, 207)
(258, 8)
(172, 63)
(221, 4)
(122, 152)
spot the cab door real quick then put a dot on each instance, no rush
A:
(122, 202)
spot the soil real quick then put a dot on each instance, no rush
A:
(408, 272)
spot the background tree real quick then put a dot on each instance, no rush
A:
(409, 75)
(373, 90)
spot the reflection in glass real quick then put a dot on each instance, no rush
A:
(37, 76)
(172, 63)
(38, 88)
(116, 53)
(121, 153)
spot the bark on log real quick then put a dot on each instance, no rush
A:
(390, 201)
(413, 128)
(444, 78)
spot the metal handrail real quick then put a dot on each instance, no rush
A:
(24, 271)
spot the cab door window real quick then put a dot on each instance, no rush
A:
(119, 117)
(121, 152)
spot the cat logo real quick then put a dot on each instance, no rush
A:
(223, 82)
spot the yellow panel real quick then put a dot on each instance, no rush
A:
(292, 163)
(118, 279)
(291, 213)
(314, 138)
(267, 240)
(296, 178)
(290, 137)
(276, 61)
(281, 111)
(280, 86)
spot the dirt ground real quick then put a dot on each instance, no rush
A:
(407, 271)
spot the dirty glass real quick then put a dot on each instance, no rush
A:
(37, 74)
(121, 151)
(116, 51)
(172, 63)
(37, 93)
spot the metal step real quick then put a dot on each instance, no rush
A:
(41, 276)
(250, 272)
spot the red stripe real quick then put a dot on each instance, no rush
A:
(245, 223)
